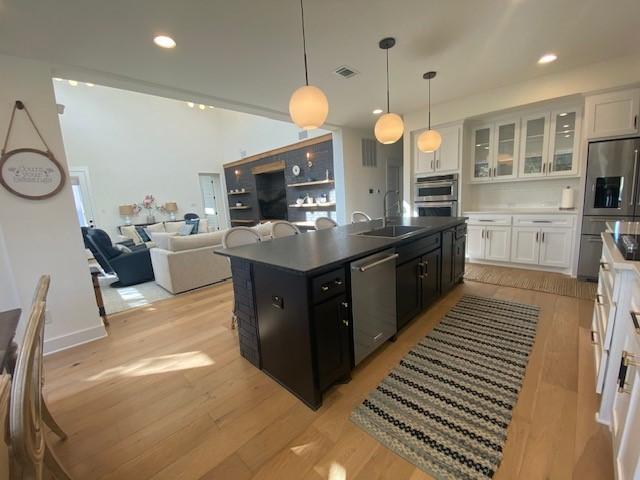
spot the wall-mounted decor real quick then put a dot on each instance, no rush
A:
(28, 172)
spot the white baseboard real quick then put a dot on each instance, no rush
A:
(74, 339)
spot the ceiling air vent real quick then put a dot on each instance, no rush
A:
(346, 72)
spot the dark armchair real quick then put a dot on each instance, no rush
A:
(131, 268)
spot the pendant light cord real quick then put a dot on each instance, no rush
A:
(429, 95)
(388, 109)
(304, 45)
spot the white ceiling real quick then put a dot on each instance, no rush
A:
(249, 51)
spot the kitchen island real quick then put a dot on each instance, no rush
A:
(311, 306)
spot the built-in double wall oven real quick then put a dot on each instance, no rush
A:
(436, 196)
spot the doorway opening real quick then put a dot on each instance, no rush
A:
(210, 190)
(80, 186)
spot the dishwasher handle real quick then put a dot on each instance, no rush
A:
(368, 266)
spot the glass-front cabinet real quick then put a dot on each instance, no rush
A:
(482, 149)
(535, 143)
(564, 142)
(506, 147)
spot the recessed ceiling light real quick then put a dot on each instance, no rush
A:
(164, 41)
(73, 83)
(88, 84)
(377, 111)
(548, 58)
(201, 107)
(191, 104)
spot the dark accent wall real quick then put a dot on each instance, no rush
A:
(321, 157)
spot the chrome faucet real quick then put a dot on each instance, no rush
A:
(385, 213)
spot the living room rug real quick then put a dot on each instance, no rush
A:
(540, 281)
(447, 406)
(124, 298)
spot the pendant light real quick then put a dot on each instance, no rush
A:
(389, 127)
(430, 140)
(308, 105)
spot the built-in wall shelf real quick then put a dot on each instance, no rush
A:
(243, 207)
(309, 184)
(314, 205)
(243, 221)
(238, 193)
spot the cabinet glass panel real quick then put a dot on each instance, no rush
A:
(534, 145)
(481, 142)
(563, 142)
(506, 149)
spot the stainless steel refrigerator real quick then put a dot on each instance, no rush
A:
(611, 193)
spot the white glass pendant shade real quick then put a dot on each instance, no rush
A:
(308, 107)
(389, 128)
(429, 141)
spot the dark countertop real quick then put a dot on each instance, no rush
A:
(317, 250)
(8, 324)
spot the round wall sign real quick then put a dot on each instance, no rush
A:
(30, 173)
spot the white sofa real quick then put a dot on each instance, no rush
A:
(182, 263)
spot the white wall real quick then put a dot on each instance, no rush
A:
(355, 181)
(134, 144)
(8, 293)
(600, 76)
(44, 236)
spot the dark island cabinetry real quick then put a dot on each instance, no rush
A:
(417, 277)
(453, 256)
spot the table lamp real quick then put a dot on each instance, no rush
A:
(126, 211)
(172, 208)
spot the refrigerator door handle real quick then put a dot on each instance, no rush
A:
(634, 180)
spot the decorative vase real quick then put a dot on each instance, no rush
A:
(151, 219)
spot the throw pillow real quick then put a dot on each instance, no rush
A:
(185, 230)
(122, 248)
(130, 231)
(143, 235)
(203, 227)
(156, 227)
(194, 222)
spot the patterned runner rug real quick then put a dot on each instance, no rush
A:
(446, 407)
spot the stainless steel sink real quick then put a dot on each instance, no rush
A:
(392, 231)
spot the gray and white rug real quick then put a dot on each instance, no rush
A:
(124, 298)
(447, 406)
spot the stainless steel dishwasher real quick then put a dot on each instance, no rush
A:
(373, 298)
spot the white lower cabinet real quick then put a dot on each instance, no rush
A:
(555, 247)
(488, 242)
(525, 239)
(497, 243)
(524, 245)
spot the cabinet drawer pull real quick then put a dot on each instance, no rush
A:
(338, 282)
(593, 338)
(540, 221)
(324, 288)
(377, 336)
(634, 319)
(537, 236)
(622, 375)
(630, 359)
(604, 266)
(599, 299)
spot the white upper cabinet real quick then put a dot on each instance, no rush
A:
(564, 142)
(506, 147)
(613, 114)
(444, 160)
(535, 145)
(482, 144)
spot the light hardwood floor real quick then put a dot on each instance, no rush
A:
(167, 396)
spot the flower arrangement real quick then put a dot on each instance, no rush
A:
(148, 203)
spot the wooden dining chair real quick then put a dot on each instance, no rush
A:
(30, 451)
(40, 295)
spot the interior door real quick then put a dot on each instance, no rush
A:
(210, 196)
(431, 277)
(497, 243)
(525, 246)
(81, 189)
(555, 246)
(475, 241)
